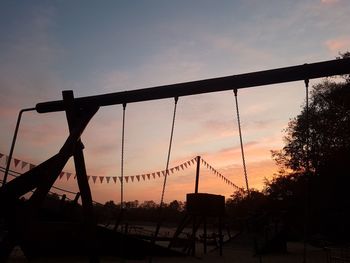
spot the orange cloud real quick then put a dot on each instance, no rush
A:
(329, 1)
(338, 44)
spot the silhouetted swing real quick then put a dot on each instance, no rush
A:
(199, 206)
(161, 204)
(307, 171)
(121, 215)
(235, 91)
(79, 111)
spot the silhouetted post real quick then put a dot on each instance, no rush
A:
(72, 115)
(13, 144)
(193, 236)
(198, 158)
(76, 198)
(205, 235)
(62, 202)
(220, 235)
(197, 174)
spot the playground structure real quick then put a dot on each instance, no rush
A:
(79, 111)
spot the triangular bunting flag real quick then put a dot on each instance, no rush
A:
(88, 177)
(185, 165)
(163, 172)
(172, 170)
(24, 164)
(16, 161)
(94, 178)
(114, 179)
(177, 168)
(75, 176)
(158, 174)
(192, 161)
(68, 175)
(31, 166)
(101, 179)
(182, 166)
(61, 175)
(108, 179)
(154, 175)
(148, 176)
(138, 178)
(132, 178)
(143, 176)
(127, 178)
(120, 178)
(189, 163)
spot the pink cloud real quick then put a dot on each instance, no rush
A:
(329, 1)
(338, 44)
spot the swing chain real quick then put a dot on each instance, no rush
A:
(169, 152)
(307, 170)
(122, 160)
(306, 81)
(235, 91)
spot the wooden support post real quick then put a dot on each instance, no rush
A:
(62, 203)
(193, 236)
(119, 220)
(72, 114)
(198, 158)
(184, 222)
(220, 235)
(205, 235)
(76, 198)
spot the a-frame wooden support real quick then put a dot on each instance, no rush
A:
(40, 180)
(73, 115)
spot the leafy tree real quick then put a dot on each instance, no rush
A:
(328, 157)
(149, 204)
(176, 205)
(329, 128)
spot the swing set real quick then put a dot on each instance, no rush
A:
(79, 111)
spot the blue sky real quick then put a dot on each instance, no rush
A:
(95, 47)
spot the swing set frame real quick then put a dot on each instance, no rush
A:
(79, 111)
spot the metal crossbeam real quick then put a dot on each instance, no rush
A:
(259, 78)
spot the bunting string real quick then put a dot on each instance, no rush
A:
(23, 165)
(218, 174)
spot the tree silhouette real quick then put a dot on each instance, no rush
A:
(328, 156)
(329, 128)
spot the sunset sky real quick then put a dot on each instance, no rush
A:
(96, 47)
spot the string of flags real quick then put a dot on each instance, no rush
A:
(17, 163)
(218, 174)
(22, 165)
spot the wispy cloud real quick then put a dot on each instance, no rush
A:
(329, 2)
(340, 44)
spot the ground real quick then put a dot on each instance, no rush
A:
(232, 252)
